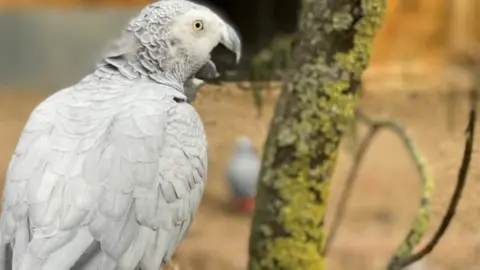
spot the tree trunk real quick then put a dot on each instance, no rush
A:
(312, 113)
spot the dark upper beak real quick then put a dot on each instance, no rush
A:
(207, 72)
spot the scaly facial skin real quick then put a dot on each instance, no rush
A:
(206, 72)
(178, 36)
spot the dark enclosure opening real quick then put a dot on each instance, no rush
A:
(258, 21)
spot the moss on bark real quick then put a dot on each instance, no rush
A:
(312, 113)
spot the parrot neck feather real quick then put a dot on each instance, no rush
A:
(139, 68)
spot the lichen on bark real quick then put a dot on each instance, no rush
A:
(314, 108)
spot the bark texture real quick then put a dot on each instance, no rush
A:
(312, 113)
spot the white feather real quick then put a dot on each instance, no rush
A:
(69, 210)
(118, 159)
(66, 257)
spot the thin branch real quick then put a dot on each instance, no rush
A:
(403, 257)
(462, 176)
(352, 175)
(421, 220)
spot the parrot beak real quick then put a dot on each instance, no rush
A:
(208, 73)
(231, 41)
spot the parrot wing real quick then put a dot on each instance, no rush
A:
(119, 170)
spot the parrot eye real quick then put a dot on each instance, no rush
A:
(197, 25)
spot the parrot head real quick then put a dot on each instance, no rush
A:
(173, 39)
(244, 145)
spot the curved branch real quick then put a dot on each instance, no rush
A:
(352, 175)
(403, 257)
(457, 194)
(421, 220)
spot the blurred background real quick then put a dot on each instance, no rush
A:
(415, 76)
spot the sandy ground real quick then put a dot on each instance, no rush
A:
(384, 199)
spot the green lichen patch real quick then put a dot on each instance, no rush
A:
(333, 49)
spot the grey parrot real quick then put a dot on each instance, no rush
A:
(242, 174)
(108, 173)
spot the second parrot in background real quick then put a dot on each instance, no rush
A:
(242, 174)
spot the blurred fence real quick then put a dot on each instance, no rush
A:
(51, 48)
(46, 50)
